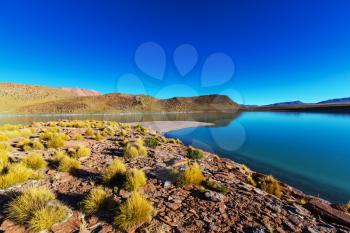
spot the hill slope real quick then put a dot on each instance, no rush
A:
(14, 96)
(132, 103)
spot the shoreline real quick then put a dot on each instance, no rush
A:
(166, 126)
(228, 198)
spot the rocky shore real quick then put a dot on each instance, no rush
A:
(236, 203)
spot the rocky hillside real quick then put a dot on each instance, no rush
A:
(14, 96)
(81, 92)
(132, 103)
(90, 176)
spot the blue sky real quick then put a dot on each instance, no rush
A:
(282, 50)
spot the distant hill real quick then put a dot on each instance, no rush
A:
(336, 101)
(286, 103)
(112, 103)
(34, 99)
(14, 96)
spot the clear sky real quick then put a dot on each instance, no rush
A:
(282, 50)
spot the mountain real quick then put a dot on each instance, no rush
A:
(14, 95)
(34, 99)
(336, 101)
(113, 103)
(287, 103)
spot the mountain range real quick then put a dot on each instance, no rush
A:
(34, 99)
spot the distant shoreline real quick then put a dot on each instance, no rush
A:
(166, 126)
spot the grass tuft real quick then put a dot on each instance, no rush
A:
(271, 185)
(22, 207)
(4, 159)
(16, 174)
(136, 211)
(47, 216)
(34, 161)
(78, 137)
(216, 186)
(115, 170)
(81, 151)
(135, 179)
(194, 153)
(135, 149)
(56, 141)
(192, 175)
(95, 201)
(5, 146)
(89, 132)
(151, 142)
(66, 163)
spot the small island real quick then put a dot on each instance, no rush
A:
(104, 176)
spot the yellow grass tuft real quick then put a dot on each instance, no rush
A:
(135, 179)
(78, 137)
(134, 212)
(37, 145)
(192, 175)
(34, 208)
(5, 146)
(95, 201)
(4, 159)
(66, 163)
(81, 151)
(34, 161)
(116, 169)
(22, 207)
(56, 141)
(16, 174)
(270, 185)
(135, 149)
(89, 132)
(46, 217)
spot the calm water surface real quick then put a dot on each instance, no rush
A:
(307, 150)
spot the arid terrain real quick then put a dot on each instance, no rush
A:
(33, 99)
(112, 177)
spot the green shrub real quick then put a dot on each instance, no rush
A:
(134, 212)
(115, 170)
(192, 175)
(216, 186)
(270, 185)
(151, 142)
(135, 149)
(95, 201)
(34, 161)
(194, 153)
(135, 179)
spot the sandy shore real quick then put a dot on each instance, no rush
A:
(166, 126)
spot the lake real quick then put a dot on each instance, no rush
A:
(309, 151)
